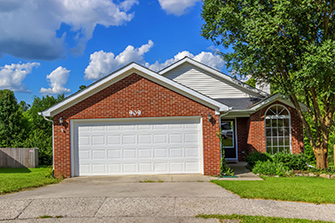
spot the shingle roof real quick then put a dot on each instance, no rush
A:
(239, 103)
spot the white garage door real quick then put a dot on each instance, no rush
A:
(138, 146)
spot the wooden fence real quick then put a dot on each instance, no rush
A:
(18, 157)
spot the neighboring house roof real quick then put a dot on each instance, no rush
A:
(124, 72)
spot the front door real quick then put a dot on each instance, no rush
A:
(228, 138)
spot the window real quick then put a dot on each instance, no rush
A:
(277, 129)
(227, 133)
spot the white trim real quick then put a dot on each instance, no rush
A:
(276, 117)
(273, 98)
(124, 72)
(202, 161)
(215, 72)
(235, 138)
(74, 139)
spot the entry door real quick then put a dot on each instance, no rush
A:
(228, 138)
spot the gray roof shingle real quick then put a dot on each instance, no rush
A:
(239, 103)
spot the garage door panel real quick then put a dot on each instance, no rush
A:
(113, 139)
(160, 138)
(116, 148)
(114, 168)
(145, 153)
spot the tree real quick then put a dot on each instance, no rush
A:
(40, 130)
(11, 122)
(290, 44)
(39, 105)
(82, 87)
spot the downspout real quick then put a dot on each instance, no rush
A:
(53, 142)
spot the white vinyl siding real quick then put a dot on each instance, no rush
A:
(206, 83)
(138, 147)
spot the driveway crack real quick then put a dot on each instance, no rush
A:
(23, 209)
(100, 207)
(174, 206)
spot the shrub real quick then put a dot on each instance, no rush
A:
(292, 161)
(271, 168)
(253, 157)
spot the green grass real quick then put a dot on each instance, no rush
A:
(17, 179)
(305, 189)
(258, 219)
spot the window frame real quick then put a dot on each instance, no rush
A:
(277, 117)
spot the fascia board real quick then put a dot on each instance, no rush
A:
(280, 98)
(216, 73)
(122, 73)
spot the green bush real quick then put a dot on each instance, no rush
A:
(254, 157)
(292, 161)
(271, 168)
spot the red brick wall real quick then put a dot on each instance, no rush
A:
(135, 93)
(242, 137)
(256, 136)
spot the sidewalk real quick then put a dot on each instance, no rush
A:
(241, 172)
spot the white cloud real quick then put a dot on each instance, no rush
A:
(207, 58)
(58, 79)
(28, 28)
(177, 7)
(11, 76)
(103, 63)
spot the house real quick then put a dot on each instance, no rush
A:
(136, 121)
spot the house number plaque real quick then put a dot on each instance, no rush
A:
(135, 113)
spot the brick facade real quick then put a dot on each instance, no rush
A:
(256, 131)
(135, 93)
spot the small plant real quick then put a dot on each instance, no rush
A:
(271, 168)
(254, 157)
(146, 181)
(45, 216)
(49, 173)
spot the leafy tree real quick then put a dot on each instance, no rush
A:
(40, 130)
(82, 87)
(39, 105)
(251, 82)
(11, 124)
(290, 44)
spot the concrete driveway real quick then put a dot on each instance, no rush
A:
(169, 198)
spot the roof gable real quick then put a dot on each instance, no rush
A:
(124, 72)
(209, 81)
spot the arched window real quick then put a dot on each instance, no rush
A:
(277, 129)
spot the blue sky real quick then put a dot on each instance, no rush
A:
(49, 47)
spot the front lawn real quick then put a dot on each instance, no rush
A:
(16, 179)
(306, 189)
(258, 219)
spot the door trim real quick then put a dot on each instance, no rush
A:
(235, 137)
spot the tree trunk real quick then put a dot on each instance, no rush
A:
(321, 158)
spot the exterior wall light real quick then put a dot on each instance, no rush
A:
(61, 122)
(209, 117)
